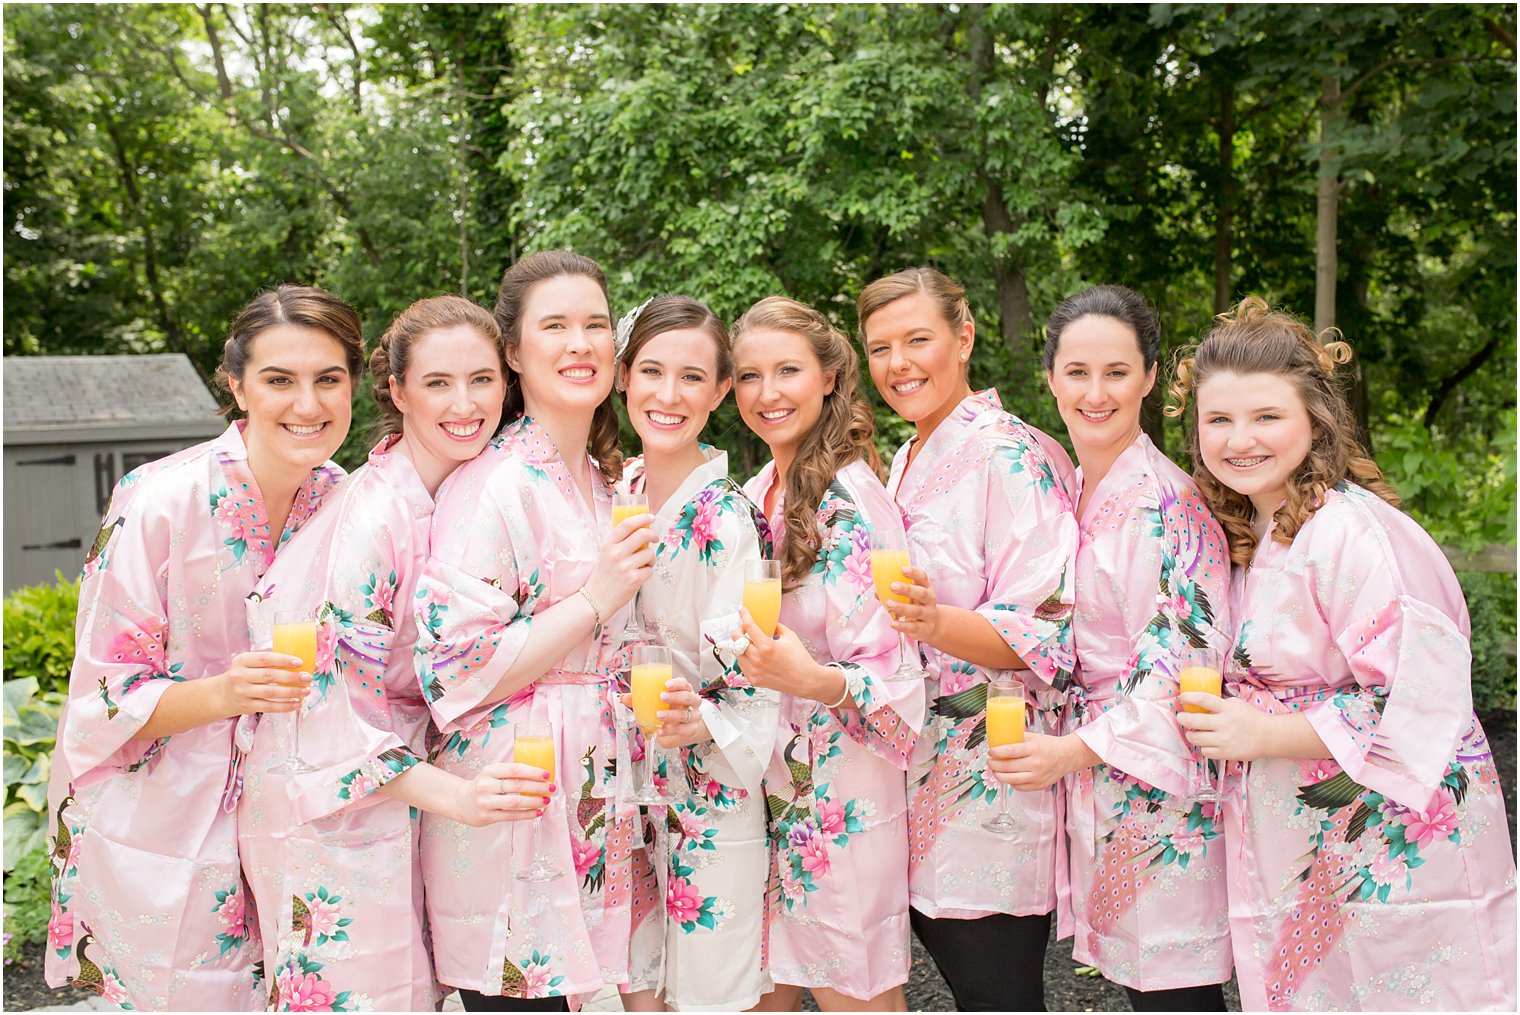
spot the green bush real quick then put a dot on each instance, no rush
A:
(39, 633)
(39, 650)
(1491, 603)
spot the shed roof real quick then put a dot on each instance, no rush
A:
(51, 399)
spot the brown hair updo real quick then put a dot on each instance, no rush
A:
(516, 283)
(668, 312)
(393, 354)
(1252, 338)
(947, 295)
(842, 434)
(301, 307)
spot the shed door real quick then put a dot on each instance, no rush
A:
(41, 533)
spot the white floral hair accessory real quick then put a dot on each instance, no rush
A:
(624, 333)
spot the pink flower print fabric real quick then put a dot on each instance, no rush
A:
(161, 601)
(1359, 625)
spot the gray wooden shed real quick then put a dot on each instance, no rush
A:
(74, 425)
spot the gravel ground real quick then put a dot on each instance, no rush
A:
(1064, 989)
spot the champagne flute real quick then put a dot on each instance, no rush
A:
(626, 505)
(651, 669)
(295, 634)
(534, 745)
(762, 594)
(1201, 675)
(887, 566)
(1006, 718)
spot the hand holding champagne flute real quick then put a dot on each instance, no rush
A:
(762, 594)
(625, 506)
(651, 671)
(534, 745)
(1007, 716)
(1203, 679)
(887, 566)
(295, 634)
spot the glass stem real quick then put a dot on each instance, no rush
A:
(1005, 798)
(295, 737)
(902, 650)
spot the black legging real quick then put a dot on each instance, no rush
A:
(992, 963)
(1206, 998)
(475, 1001)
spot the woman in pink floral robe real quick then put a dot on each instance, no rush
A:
(1146, 858)
(149, 905)
(518, 614)
(1369, 862)
(838, 899)
(334, 866)
(992, 539)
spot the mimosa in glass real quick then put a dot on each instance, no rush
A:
(651, 670)
(625, 506)
(887, 567)
(762, 594)
(1204, 679)
(295, 634)
(534, 745)
(1006, 719)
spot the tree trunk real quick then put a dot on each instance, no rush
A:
(125, 167)
(1007, 273)
(1328, 205)
(1224, 221)
(462, 106)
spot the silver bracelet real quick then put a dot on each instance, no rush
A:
(846, 693)
(594, 611)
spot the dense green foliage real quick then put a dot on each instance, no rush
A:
(164, 162)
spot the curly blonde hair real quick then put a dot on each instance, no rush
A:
(1252, 338)
(843, 433)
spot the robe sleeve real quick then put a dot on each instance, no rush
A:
(1397, 730)
(475, 601)
(742, 718)
(888, 714)
(1030, 548)
(348, 726)
(121, 666)
(1140, 736)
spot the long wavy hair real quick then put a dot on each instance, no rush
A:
(1252, 338)
(842, 434)
(516, 283)
(392, 356)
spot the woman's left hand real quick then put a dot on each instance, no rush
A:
(919, 617)
(1231, 729)
(782, 663)
(1040, 761)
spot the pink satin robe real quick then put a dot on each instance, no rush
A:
(1146, 863)
(334, 866)
(1384, 878)
(512, 535)
(149, 904)
(835, 785)
(989, 521)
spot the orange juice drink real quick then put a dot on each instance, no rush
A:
(621, 512)
(538, 752)
(1005, 721)
(886, 568)
(1200, 680)
(648, 682)
(763, 601)
(298, 639)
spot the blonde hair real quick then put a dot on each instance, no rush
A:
(842, 434)
(947, 295)
(393, 353)
(1252, 338)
